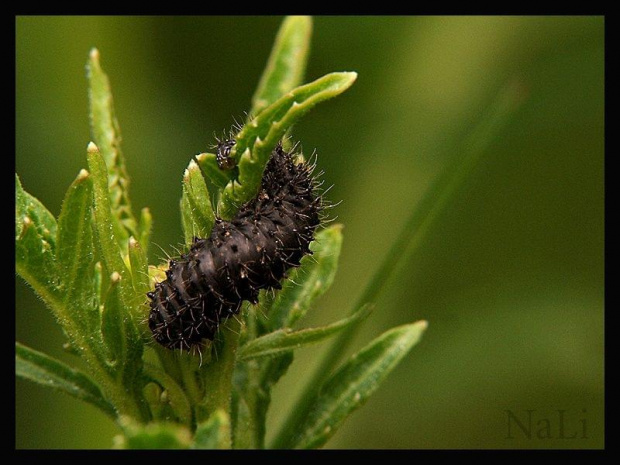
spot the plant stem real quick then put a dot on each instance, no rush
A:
(411, 236)
(217, 375)
(128, 404)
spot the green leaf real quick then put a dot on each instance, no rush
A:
(153, 436)
(121, 337)
(145, 226)
(208, 164)
(196, 211)
(75, 257)
(254, 381)
(79, 306)
(104, 221)
(213, 433)
(112, 325)
(287, 62)
(260, 135)
(309, 281)
(35, 243)
(119, 331)
(472, 149)
(141, 285)
(285, 340)
(351, 386)
(42, 369)
(106, 133)
(27, 205)
(139, 267)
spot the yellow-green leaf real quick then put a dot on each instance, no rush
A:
(47, 371)
(196, 211)
(287, 62)
(260, 135)
(106, 134)
(285, 340)
(351, 386)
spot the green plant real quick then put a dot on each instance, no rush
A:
(90, 267)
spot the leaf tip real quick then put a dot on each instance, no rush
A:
(92, 147)
(94, 54)
(115, 277)
(201, 157)
(349, 77)
(422, 325)
(193, 166)
(82, 175)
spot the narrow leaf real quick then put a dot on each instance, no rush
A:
(260, 135)
(196, 211)
(42, 369)
(141, 285)
(139, 267)
(351, 386)
(104, 221)
(309, 281)
(285, 340)
(27, 205)
(213, 433)
(287, 62)
(472, 149)
(35, 242)
(122, 302)
(208, 164)
(145, 226)
(121, 336)
(112, 326)
(106, 133)
(75, 256)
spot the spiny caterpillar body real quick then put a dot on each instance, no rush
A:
(269, 235)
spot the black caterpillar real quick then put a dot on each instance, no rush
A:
(269, 235)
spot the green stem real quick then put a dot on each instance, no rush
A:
(177, 397)
(407, 243)
(217, 375)
(189, 373)
(248, 424)
(128, 403)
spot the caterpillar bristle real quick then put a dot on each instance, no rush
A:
(269, 235)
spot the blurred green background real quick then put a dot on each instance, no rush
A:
(510, 276)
